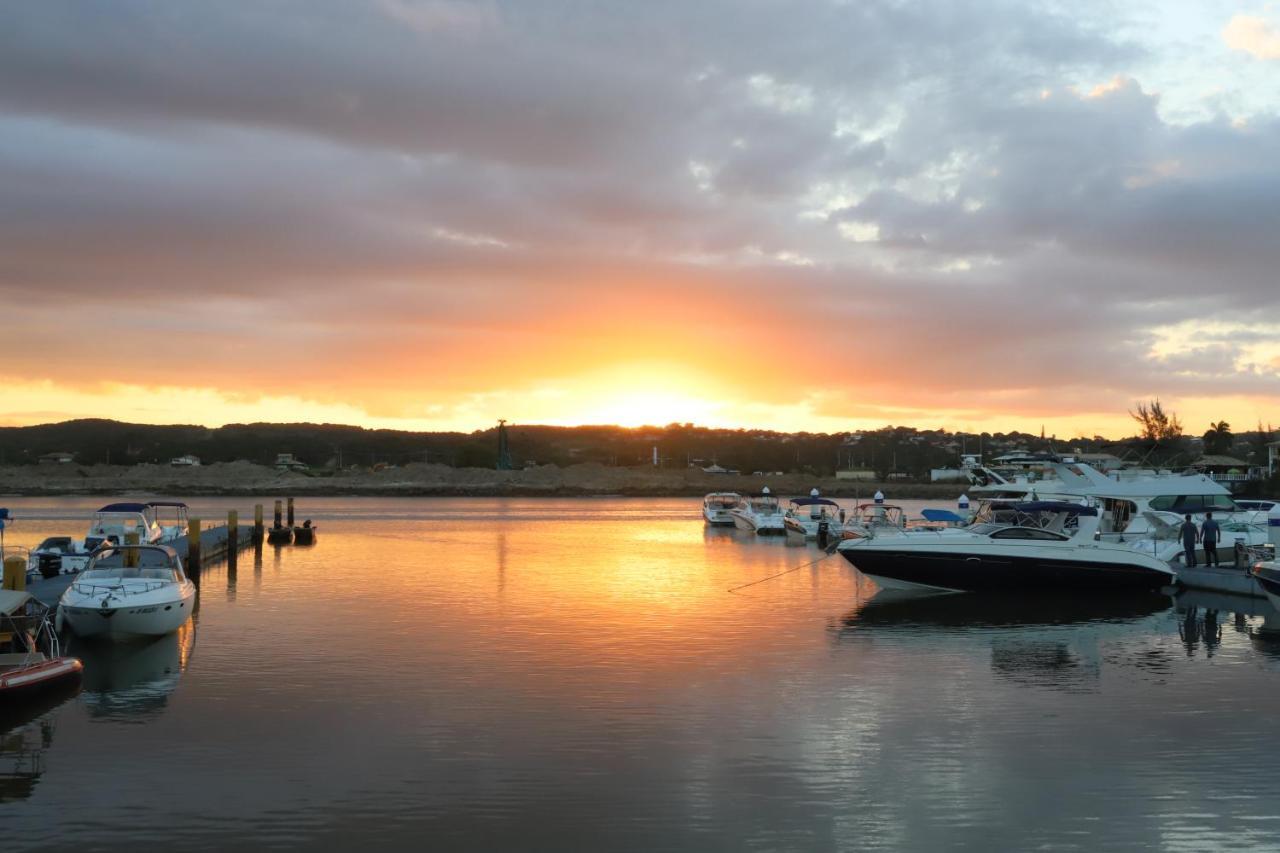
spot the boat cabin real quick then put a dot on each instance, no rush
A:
(1044, 520)
(722, 500)
(816, 509)
(113, 522)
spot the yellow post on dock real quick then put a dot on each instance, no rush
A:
(257, 524)
(193, 546)
(15, 572)
(291, 512)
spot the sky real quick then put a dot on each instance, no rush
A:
(797, 215)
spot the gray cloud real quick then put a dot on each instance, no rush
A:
(448, 159)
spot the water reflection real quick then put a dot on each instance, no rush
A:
(966, 611)
(132, 682)
(22, 753)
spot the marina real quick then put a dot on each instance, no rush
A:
(809, 709)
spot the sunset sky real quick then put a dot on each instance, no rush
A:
(428, 214)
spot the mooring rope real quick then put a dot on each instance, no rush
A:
(780, 574)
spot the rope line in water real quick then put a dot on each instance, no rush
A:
(780, 574)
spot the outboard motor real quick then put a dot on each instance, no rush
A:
(50, 565)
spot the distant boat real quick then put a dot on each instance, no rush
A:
(304, 535)
(811, 517)
(759, 514)
(717, 508)
(280, 535)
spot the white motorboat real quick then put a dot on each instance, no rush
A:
(1031, 545)
(814, 517)
(113, 522)
(759, 514)
(717, 508)
(129, 591)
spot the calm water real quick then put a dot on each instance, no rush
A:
(573, 674)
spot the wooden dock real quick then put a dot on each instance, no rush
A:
(217, 543)
(1228, 578)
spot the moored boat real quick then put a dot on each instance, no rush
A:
(717, 508)
(31, 660)
(759, 514)
(305, 535)
(1037, 545)
(814, 517)
(129, 591)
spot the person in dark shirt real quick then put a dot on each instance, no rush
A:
(1190, 535)
(1209, 534)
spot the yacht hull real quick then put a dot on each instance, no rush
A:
(122, 620)
(1269, 581)
(718, 518)
(971, 572)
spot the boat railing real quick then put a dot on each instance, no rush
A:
(135, 586)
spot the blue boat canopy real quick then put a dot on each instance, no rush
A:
(125, 507)
(1055, 506)
(814, 502)
(940, 515)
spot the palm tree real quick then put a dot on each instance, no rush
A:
(1218, 439)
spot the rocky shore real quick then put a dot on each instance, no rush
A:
(244, 478)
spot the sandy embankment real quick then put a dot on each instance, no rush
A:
(243, 478)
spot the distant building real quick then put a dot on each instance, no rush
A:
(185, 461)
(861, 474)
(56, 458)
(715, 469)
(289, 462)
(948, 475)
(1227, 469)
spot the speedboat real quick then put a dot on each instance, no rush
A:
(170, 517)
(113, 522)
(717, 508)
(759, 514)
(129, 591)
(811, 517)
(31, 660)
(1032, 545)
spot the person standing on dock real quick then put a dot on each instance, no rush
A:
(1190, 535)
(1209, 532)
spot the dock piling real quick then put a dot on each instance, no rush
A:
(257, 524)
(15, 572)
(193, 546)
(279, 514)
(291, 512)
(233, 539)
(133, 537)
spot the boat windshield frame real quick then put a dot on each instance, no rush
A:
(169, 560)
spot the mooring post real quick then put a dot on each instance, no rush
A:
(233, 538)
(133, 537)
(257, 524)
(291, 512)
(193, 546)
(15, 572)
(279, 514)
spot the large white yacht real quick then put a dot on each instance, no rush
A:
(759, 514)
(1035, 544)
(129, 591)
(717, 508)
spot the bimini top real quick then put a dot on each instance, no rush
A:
(1054, 506)
(167, 503)
(814, 502)
(12, 600)
(940, 515)
(125, 507)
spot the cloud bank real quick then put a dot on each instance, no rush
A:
(800, 214)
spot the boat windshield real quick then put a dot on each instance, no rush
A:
(153, 573)
(1193, 503)
(764, 504)
(61, 544)
(722, 501)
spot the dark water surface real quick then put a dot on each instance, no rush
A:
(476, 674)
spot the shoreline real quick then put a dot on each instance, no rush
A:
(243, 479)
